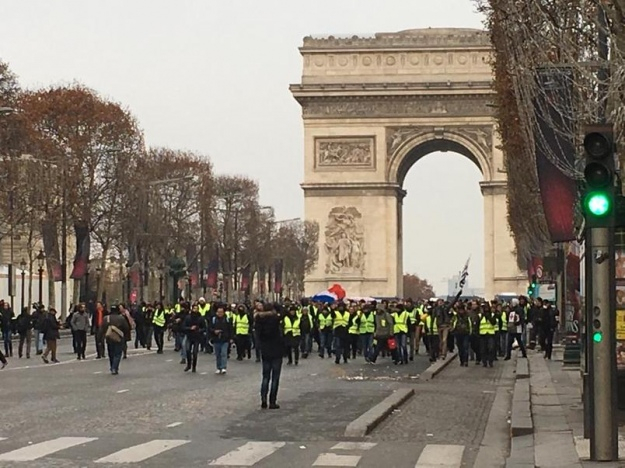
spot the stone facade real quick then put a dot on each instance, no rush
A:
(374, 106)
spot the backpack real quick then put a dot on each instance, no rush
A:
(113, 334)
(462, 326)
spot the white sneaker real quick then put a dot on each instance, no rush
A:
(223, 371)
(218, 371)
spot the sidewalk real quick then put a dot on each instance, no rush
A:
(555, 437)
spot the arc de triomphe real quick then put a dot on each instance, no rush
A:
(372, 107)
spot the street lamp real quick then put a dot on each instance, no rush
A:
(86, 296)
(23, 267)
(40, 261)
(161, 269)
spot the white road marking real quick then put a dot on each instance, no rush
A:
(439, 456)
(139, 453)
(354, 446)
(203, 373)
(2, 438)
(175, 424)
(169, 360)
(98, 372)
(248, 454)
(123, 391)
(332, 459)
(36, 451)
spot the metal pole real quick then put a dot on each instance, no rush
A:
(40, 285)
(22, 292)
(11, 233)
(64, 244)
(604, 444)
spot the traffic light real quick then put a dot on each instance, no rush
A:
(597, 334)
(599, 197)
(531, 289)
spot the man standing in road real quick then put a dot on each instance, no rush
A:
(114, 330)
(80, 325)
(271, 344)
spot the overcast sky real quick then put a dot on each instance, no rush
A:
(212, 76)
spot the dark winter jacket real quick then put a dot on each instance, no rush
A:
(220, 329)
(269, 333)
(194, 326)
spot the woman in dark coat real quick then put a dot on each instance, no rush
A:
(51, 328)
(271, 342)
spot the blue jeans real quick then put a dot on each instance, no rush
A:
(463, 342)
(402, 347)
(271, 372)
(6, 337)
(325, 342)
(366, 344)
(183, 346)
(221, 354)
(306, 343)
(115, 351)
(39, 341)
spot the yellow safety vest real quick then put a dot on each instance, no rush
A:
(504, 321)
(340, 320)
(241, 325)
(413, 315)
(367, 323)
(178, 308)
(486, 328)
(325, 321)
(203, 309)
(159, 318)
(229, 314)
(401, 322)
(430, 324)
(292, 325)
(354, 328)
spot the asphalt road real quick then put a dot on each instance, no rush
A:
(75, 414)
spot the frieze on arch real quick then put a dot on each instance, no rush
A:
(481, 135)
(344, 241)
(469, 105)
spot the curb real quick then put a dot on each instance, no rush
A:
(437, 367)
(521, 424)
(363, 425)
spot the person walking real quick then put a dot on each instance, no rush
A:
(221, 333)
(131, 326)
(159, 323)
(271, 344)
(461, 328)
(114, 331)
(292, 332)
(516, 322)
(80, 325)
(38, 318)
(24, 327)
(6, 323)
(193, 327)
(96, 324)
(51, 328)
(242, 329)
(383, 331)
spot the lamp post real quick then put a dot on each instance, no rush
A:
(40, 262)
(86, 295)
(4, 111)
(127, 297)
(161, 269)
(23, 273)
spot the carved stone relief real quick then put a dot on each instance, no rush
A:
(482, 136)
(344, 241)
(345, 151)
(469, 105)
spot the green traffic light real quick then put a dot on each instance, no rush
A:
(598, 204)
(597, 337)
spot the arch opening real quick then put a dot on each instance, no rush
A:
(442, 216)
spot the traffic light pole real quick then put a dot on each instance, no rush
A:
(604, 440)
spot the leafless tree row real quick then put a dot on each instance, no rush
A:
(68, 151)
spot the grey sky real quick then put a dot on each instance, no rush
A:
(212, 76)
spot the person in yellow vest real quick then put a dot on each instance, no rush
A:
(204, 310)
(413, 322)
(324, 323)
(159, 322)
(340, 325)
(461, 328)
(487, 328)
(430, 329)
(401, 319)
(291, 324)
(366, 329)
(353, 330)
(241, 323)
(307, 326)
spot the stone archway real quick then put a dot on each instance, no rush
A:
(371, 108)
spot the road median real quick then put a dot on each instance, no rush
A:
(368, 421)
(437, 367)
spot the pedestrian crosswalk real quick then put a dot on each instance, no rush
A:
(112, 451)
